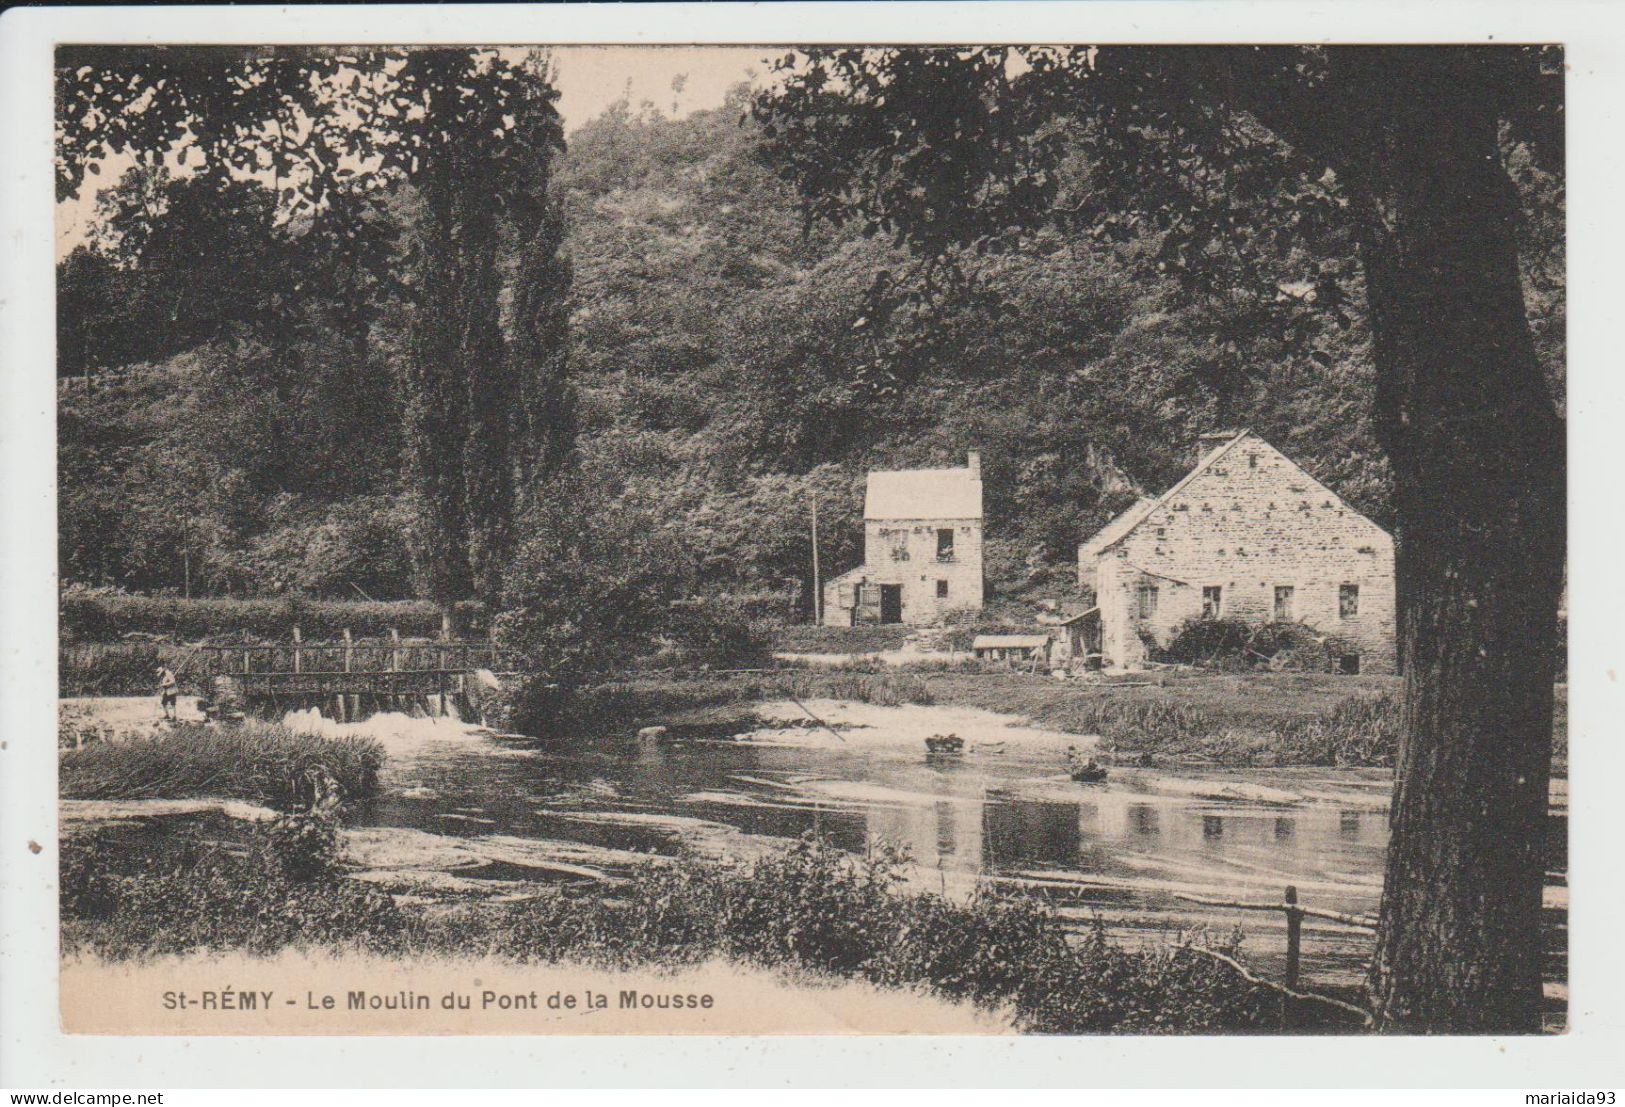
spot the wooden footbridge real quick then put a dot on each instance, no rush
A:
(352, 678)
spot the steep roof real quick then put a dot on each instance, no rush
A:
(1122, 526)
(1118, 527)
(924, 494)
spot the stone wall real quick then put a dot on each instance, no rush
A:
(918, 570)
(1250, 524)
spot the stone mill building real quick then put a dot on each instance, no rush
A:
(1247, 534)
(922, 549)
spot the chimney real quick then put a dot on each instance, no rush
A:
(1209, 441)
(973, 462)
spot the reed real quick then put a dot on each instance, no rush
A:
(255, 761)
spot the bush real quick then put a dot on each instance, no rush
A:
(1236, 644)
(1209, 642)
(185, 893)
(106, 618)
(717, 633)
(815, 907)
(254, 761)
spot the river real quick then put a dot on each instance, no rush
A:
(1132, 851)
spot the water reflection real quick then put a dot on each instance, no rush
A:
(1009, 814)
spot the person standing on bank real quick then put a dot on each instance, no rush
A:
(167, 690)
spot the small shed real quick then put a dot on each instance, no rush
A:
(1080, 643)
(1011, 647)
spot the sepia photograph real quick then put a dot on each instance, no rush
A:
(990, 539)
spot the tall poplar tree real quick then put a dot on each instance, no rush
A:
(331, 133)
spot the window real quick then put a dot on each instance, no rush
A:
(1348, 601)
(1212, 601)
(898, 539)
(1252, 461)
(1349, 664)
(1283, 602)
(1148, 600)
(945, 544)
(942, 589)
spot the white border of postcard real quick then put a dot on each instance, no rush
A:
(33, 1052)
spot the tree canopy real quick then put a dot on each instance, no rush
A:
(1301, 188)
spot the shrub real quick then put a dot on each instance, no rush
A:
(254, 761)
(814, 907)
(1236, 644)
(716, 633)
(184, 893)
(1209, 642)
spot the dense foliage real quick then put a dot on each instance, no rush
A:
(105, 616)
(808, 907)
(730, 366)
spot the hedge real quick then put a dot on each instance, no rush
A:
(108, 618)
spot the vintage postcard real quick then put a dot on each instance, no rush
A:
(876, 539)
(1036, 537)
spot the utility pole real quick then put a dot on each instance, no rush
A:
(818, 588)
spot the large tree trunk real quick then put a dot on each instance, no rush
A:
(1478, 454)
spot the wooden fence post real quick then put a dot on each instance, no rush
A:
(297, 638)
(352, 701)
(1294, 936)
(394, 649)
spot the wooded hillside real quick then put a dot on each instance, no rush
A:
(231, 402)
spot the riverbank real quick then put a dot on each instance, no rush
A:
(468, 824)
(806, 924)
(1151, 719)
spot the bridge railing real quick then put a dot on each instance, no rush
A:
(353, 656)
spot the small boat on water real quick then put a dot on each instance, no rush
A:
(944, 743)
(1084, 770)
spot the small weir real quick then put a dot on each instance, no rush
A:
(350, 679)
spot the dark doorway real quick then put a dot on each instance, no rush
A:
(891, 603)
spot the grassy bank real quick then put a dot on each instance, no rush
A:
(1256, 719)
(801, 638)
(254, 761)
(809, 908)
(718, 702)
